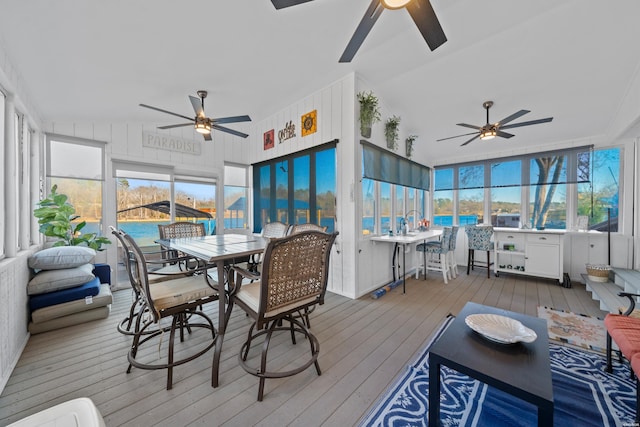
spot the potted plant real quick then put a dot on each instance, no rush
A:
(55, 215)
(409, 145)
(391, 131)
(369, 112)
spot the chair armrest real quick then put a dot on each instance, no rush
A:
(246, 274)
(632, 302)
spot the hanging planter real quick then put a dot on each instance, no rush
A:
(409, 145)
(369, 112)
(391, 127)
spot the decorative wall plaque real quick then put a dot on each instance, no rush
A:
(171, 143)
(288, 132)
(309, 123)
(269, 139)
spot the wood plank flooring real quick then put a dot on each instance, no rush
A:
(364, 345)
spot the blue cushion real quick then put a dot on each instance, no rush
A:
(91, 288)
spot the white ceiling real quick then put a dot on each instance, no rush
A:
(95, 61)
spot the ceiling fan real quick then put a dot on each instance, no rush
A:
(420, 10)
(201, 122)
(491, 130)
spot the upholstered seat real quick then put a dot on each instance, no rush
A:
(178, 299)
(293, 278)
(435, 254)
(479, 239)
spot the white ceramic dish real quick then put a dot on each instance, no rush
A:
(500, 329)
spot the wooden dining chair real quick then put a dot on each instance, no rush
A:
(294, 278)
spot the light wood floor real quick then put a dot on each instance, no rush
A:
(364, 344)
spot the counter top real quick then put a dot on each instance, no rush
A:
(528, 230)
(410, 237)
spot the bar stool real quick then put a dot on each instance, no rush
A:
(453, 265)
(479, 240)
(436, 254)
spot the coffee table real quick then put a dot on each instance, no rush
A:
(522, 369)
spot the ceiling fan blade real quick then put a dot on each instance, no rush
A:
(427, 22)
(532, 122)
(475, 137)
(197, 106)
(512, 117)
(165, 111)
(227, 130)
(370, 17)
(457, 136)
(175, 126)
(469, 126)
(281, 4)
(207, 136)
(234, 119)
(504, 134)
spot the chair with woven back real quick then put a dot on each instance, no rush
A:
(293, 278)
(177, 299)
(271, 230)
(179, 230)
(298, 228)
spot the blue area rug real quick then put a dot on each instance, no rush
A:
(584, 395)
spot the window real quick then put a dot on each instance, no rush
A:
(76, 167)
(296, 189)
(599, 199)
(443, 197)
(533, 190)
(2, 175)
(236, 193)
(548, 197)
(506, 178)
(471, 194)
(399, 208)
(200, 197)
(385, 208)
(368, 207)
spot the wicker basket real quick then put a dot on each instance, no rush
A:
(598, 273)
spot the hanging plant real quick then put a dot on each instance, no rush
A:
(369, 112)
(391, 131)
(409, 145)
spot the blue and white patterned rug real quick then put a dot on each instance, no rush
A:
(584, 395)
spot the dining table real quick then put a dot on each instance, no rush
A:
(219, 250)
(404, 240)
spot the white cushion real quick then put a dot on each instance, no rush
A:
(73, 413)
(60, 257)
(54, 280)
(172, 293)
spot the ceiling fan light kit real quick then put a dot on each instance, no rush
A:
(394, 4)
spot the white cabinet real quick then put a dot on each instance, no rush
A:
(529, 252)
(586, 248)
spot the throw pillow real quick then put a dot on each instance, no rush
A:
(55, 280)
(60, 257)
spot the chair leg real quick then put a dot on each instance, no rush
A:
(443, 266)
(469, 260)
(609, 368)
(488, 264)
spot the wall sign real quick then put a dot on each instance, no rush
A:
(171, 143)
(268, 139)
(288, 132)
(309, 123)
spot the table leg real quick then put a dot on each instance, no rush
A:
(393, 261)
(404, 268)
(434, 392)
(545, 415)
(222, 324)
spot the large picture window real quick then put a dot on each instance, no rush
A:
(533, 190)
(297, 189)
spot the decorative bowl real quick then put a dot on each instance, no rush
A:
(500, 329)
